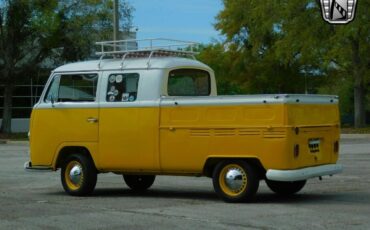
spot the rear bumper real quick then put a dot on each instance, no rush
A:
(304, 173)
(29, 168)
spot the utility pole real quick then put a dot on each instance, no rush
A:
(115, 21)
(305, 84)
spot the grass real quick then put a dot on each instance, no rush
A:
(351, 130)
(14, 136)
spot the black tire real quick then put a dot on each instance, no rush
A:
(139, 183)
(246, 177)
(285, 188)
(87, 178)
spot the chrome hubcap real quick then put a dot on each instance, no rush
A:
(234, 179)
(75, 174)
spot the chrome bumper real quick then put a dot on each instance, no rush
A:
(29, 168)
(304, 173)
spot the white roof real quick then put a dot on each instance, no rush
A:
(132, 63)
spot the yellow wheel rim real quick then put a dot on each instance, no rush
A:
(233, 180)
(73, 175)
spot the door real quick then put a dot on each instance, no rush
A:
(128, 131)
(67, 115)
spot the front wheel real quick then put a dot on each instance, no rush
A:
(285, 188)
(139, 183)
(235, 180)
(78, 175)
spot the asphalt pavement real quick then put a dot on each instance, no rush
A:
(37, 200)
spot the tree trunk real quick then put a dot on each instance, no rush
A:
(359, 86)
(359, 96)
(6, 125)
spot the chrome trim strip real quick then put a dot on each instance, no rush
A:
(68, 105)
(304, 173)
(248, 99)
(168, 101)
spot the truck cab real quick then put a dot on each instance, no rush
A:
(155, 111)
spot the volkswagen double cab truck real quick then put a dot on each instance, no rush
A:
(155, 111)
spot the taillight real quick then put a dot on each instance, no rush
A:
(296, 151)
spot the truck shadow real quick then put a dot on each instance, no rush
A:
(260, 198)
(156, 193)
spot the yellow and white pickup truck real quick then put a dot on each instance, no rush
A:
(155, 111)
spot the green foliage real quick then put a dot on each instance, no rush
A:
(126, 15)
(343, 87)
(31, 30)
(263, 61)
(62, 30)
(222, 63)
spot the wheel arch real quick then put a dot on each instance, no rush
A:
(66, 151)
(211, 163)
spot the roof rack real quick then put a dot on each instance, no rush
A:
(139, 48)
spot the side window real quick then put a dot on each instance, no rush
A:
(122, 87)
(189, 82)
(73, 88)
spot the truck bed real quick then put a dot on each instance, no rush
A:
(266, 127)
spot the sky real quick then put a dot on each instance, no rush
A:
(190, 20)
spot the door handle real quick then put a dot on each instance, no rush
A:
(92, 120)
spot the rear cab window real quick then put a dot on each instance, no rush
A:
(189, 82)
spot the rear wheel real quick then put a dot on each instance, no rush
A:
(285, 188)
(139, 183)
(235, 181)
(78, 175)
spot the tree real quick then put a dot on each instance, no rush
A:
(35, 30)
(126, 15)
(287, 38)
(223, 64)
(16, 33)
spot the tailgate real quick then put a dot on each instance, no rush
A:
(315, 136)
